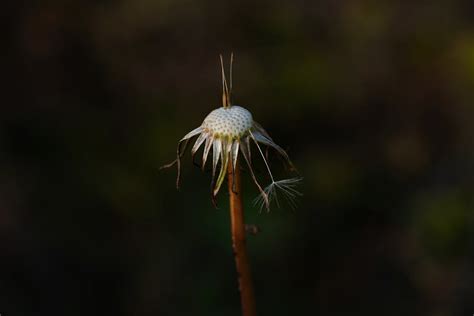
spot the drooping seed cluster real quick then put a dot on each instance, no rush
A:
(228, 132)
(233, 122)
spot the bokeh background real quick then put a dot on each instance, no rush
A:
(372, 100)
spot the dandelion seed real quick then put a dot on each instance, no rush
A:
(287, 187)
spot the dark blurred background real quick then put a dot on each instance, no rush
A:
(372, 100)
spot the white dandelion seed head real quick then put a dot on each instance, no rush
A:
(229, 131)
(233, 122)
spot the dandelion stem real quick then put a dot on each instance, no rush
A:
(238, 242)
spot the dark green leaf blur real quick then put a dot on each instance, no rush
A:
(373, 101)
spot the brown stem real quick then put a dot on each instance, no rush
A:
(238, 243)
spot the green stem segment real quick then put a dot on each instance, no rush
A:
(238, 242)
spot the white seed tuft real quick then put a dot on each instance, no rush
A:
(287, 188)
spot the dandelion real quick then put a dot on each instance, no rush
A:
(230, 130)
